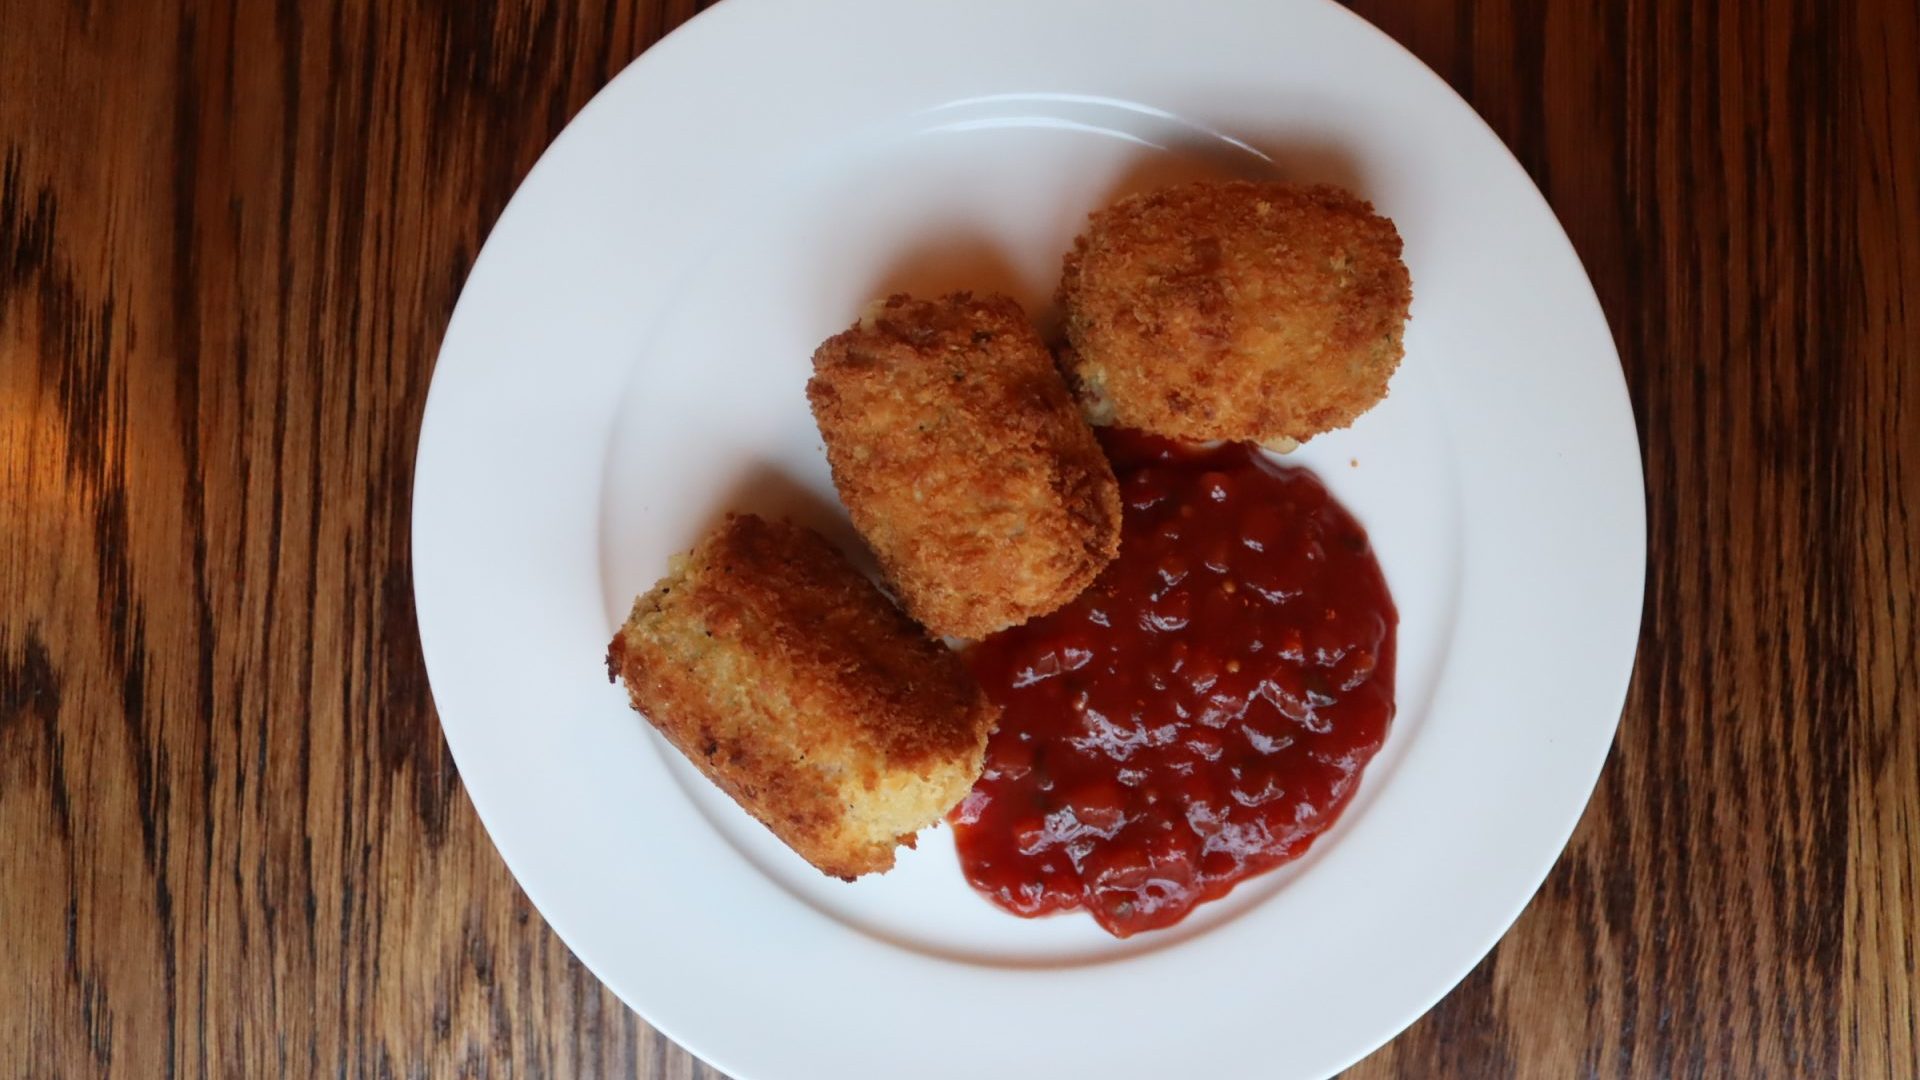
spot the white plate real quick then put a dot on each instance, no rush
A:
(628, 360)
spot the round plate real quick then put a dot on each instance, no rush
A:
(628, 362)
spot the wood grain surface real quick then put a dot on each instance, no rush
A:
(231, 839)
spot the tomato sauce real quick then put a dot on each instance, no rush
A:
(1200, 713)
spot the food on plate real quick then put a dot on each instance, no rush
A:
(1184, 653)
(1201, 713)
(1234, 310)
(791, 682)
(964, 462)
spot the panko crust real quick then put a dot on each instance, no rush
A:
(962, 459)
(1235, 310)
(793, 684)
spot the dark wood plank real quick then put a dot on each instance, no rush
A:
(231, 842)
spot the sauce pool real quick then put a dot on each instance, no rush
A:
(1201, 713)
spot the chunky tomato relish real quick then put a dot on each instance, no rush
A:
(1201, 713)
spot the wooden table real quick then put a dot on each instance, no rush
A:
(231, 839)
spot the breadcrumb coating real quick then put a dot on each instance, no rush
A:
(963, 461)
(793, 684)
(1234, 310)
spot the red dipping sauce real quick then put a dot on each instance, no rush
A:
(1200, 713)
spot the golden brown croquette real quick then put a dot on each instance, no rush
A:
(963, 461)
(1234, 310)
(795, 685)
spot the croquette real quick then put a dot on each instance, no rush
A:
(1234, 310)
(964, 462)
(790, 681)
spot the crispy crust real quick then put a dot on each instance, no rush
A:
(1235, 310)
(793, 684)
(960, 455)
